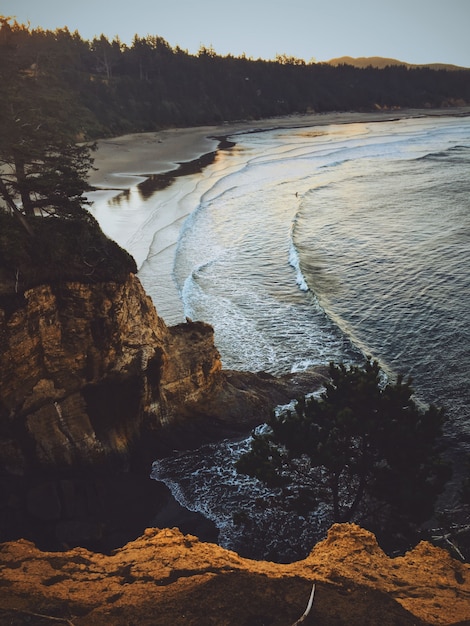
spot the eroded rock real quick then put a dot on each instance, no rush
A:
(93, 387)
(165, 577)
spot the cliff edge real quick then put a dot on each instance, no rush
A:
(166, 578)
(94, 386)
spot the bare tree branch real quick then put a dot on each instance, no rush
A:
(306, 613)
(42, 616)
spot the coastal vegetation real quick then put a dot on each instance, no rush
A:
(43, 170)
(116, 88)
(61, 250)
(365, 448)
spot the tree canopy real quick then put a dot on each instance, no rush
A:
(364, 447)
(43, 170)
(149, 84)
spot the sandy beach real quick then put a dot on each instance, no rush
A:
(126, 160)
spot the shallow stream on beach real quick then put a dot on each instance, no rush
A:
(307, 245)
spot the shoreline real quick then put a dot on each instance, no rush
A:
(128, 160)
(130, 170)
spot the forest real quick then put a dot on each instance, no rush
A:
(117, 88)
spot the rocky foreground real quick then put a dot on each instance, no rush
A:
(165, 578)
(94, 386)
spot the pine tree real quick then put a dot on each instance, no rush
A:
(43, 170)
(378, 453)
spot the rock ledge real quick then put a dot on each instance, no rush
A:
(166, 578)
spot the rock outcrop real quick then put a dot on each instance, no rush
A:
(93, 387)
(84, 366)
(166, 578)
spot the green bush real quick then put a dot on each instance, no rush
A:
(60, 250)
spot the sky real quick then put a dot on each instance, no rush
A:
(413, 31)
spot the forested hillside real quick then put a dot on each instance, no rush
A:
(117, 88)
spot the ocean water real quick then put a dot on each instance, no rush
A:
(307, 245)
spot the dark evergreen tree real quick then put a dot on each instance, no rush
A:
(42, 167)
(370, 451)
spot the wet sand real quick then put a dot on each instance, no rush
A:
(131, 168)
(127, 160)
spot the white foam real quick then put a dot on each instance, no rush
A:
(294, 262)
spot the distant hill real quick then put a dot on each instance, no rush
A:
(381, 62)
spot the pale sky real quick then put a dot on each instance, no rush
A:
(414, 31)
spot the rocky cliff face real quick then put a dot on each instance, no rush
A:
(166, 578)
(84, 366)
(93, 387)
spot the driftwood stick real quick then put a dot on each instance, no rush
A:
(306, 613)
(452, 544)
(42, 616)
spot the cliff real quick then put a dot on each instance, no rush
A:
(166, 578)
(87, 368)
(94, 386)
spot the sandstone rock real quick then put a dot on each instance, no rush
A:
(83, 366)
(166, 578)
(94, 385)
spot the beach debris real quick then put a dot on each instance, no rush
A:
(306, 613)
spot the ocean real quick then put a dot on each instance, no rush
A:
(309, 245)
